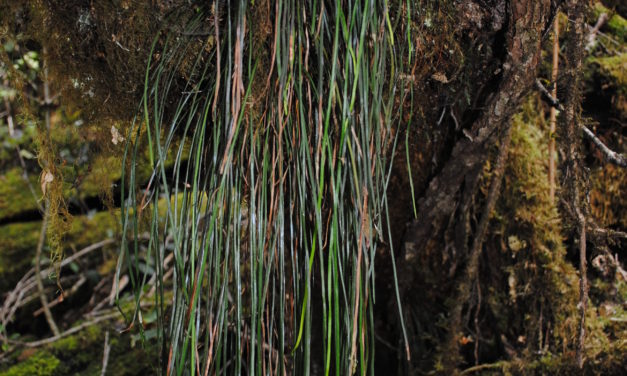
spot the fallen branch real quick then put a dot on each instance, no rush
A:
(610, 155)
(105, 355)
(70, 331)
(81, 281)
(592, 36)
(482, 367)
(20, 295)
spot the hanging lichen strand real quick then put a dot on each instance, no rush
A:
(276, 204)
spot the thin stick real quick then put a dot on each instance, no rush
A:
(574, 175)
(105, 355)
(610, 155)
(81, 281)
(553, 115)
(477, 328)
(603, 17)
(14, 298)
(70, 331)
(583, 286)
(482, 367)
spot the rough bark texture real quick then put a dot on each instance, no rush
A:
(441, 199)
(446, 202)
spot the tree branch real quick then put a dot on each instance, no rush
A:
(609, 155)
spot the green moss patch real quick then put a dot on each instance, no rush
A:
(615, 69)
(616, 24)
(42, 363)
(81, 354)
(15, 195)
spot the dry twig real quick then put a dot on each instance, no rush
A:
(105, 355)
(610, 155)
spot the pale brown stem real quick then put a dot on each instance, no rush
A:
(583, 287)
(44, 225)
(105, 355)
(71, 331)
(553, 115)
(40, 285)
(353, 356)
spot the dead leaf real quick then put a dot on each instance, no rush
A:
(464, 340)
(440, 77)
(46, 178)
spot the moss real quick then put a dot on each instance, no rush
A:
(42, 363)
(616, 25)
(529, 247)
(80, 351)
(81, 354)
(97, 52)
(615, 69)
(538, 285)
(15, 195)
(17, 245)
(530, 289)
(607, 201)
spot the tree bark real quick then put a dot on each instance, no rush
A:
(526, 20)
(447, 200)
